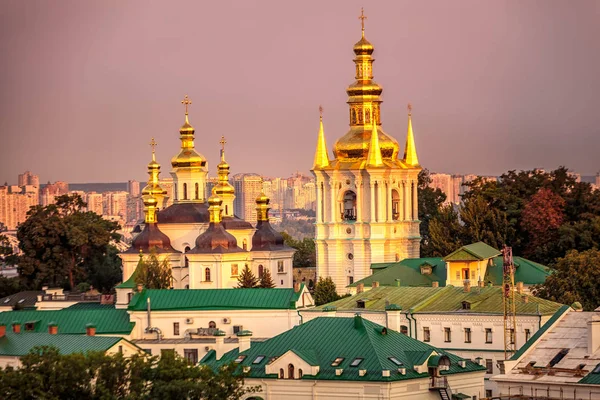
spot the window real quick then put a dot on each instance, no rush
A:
(527, 334)
(120, 349)
(404, 330)
(356, 362)
(261, 271)
(350, 280)
(207, 274)
(245, 242)
(290, 371)
(187, 262)
(489, 365)
(239, 359)
(488, 393)
(175, 328)
(258, 360)
(395, 205)
(129, 297)
(280, 266)
(281, 376)
(197, 191)
(212, 324)
(466, 305)
(191, 355)
(337, 361)
(488, 335)
(300, 373)
(349, 212)
(426, 334)
(185, 191)
(29, 326)
(467, 335)
(395, 361)
(512, 336)
(234, 270)
(558, 357)
(148, 351)
(447, 335)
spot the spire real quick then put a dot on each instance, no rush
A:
(410, 151)
(321, 157)
(374, 158)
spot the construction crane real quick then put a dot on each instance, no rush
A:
(508, 300)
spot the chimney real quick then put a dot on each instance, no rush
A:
(90, 330)
(360, 287)
(139, 287)
(296, 287)
(593, 334)
(467, 286)
(2, 330)
(244, 340)
(16, 327)
(375, 284)
(435, 284)
(520, 287)
(525, 299)
(397, 282)
(481, 283)
(52, 328)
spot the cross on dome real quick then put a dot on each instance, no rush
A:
(362, 18)
(186, 102)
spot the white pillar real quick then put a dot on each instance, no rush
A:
(415, 201)
(359, 200)
(372, 216)
(406, 200)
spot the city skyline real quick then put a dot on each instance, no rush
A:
(517, 88)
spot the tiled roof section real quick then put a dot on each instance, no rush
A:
(215, 239)
(20, 344)
(24, 299)
(487, 300)
(150, 239)
(184, 213)
(472, 252)
(267, 239)
(108, 321)
(408, 272)
(215, 299)
(361, 339)
(235, 223)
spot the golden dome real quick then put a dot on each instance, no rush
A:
(363, 47)
(215, 201)
(262, 199)
(188, 157)
(355, 144)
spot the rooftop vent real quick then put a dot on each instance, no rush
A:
(339, 371)
(362, 372)
(385, 373)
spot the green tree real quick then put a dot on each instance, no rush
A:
(576, 278)
(247, 279)
(266, 280)
(153, 273)
(306, 253)
(325, 291)
(7, 257)
(445, 233)
(105, 270)
(430, 203)
(483, 223)
(58, 241)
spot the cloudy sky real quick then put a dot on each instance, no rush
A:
(495, 86)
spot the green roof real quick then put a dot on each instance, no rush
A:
(487, 300)
(318, 343)
(216, 299)
(593, 378)
(129, 283)
(408, 272)
(562, 310)
(19, 344)
(107, 321)
(473, 252)
(91, 306)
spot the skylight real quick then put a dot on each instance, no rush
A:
(337, 361)
(258, 359)
(356, 362)
(558, 357)
(395, 361)
(20, 301)
(7, 300)
(239, 359)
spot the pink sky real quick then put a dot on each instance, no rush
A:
(494, 85)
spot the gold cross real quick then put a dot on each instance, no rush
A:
(186, 102)
(362, 19)
(409, 108)
(153, 144)
(321, 111)
(223, 142)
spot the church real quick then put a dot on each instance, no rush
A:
(367, 207)
(205, 243)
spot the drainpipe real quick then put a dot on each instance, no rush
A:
(409, 324)
(415, 320)
(148, 311)
(411, 318)
(300, 315)
(539, 317)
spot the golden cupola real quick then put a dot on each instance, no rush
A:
(364, 101)
(187, 157)
(223, 187)
(153, 187)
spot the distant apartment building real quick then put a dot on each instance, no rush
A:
(49, 192)
(95, 202)
(133, 187)
(116, 204)
(14, 205)
(167, 184)
(27, 178)
(454, 186)
(247, 188)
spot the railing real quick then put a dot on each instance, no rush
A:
(438, 382)
(71, 297)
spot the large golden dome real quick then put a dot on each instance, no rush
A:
(355, 144)
(187, 157)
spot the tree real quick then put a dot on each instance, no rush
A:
(576, 278)
(325, 291)
(483, 223)
(7, 257)
(58, 241)
(105, 270)
(430, 204)
(153, 273)
(445, 233)
(266, 281)
(247, 279)
(306, 253)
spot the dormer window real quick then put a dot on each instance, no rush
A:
(337, 361)
(356, 362)
(426, 269)
(258, 360)
(395, 361)
(361, 303)
(466, 305)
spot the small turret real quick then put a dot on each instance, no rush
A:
(374, 158)
(321, 156)
(410, 150)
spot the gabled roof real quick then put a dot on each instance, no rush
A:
(487, 300)
(13, 344)
(25, 299)
(473, 252)
(73, 321)
(360, 339)
(216, 299)
(526, 271)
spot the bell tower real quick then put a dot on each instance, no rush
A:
(367, 206)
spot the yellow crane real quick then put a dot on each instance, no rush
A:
(508, 300)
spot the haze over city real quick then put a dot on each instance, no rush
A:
(494, 85)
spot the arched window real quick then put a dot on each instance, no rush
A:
(349, 213)
(291, 371)
(185, 191)
(281, 376)
(261, 271)
(187, 262)
(207, 274)
(212, 324)
(395, 205)
(404, 330)
(226, 210)
(245, 244)
(300, 373)
(197, 191)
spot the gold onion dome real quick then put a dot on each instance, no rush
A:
(187, 157)
(262, 199)
(223, 186)
(363, 47)
(153, 188)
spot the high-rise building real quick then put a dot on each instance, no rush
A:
(95, 202)
(27, 178)
(247, 188)
(14, 205)
(49, 192)
(116, 204)
(133, 187)
(367, 208)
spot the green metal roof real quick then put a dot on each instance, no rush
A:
(487, 300)
(473, 252)
(19, 344)
(129, 283)
(562, 310)
(91, 306)
(318, 342)
(593, 378)
(216, 299)
(108, 321)
(408, 272)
